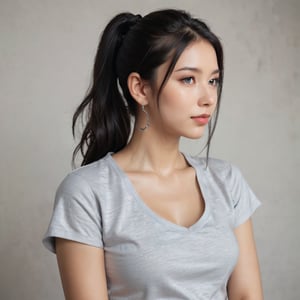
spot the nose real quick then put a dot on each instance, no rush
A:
(207, 95)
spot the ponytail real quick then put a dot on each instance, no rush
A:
(108, 120)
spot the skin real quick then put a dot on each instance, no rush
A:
(152, 157)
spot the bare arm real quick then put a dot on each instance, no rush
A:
(82, 270)
(245, 281)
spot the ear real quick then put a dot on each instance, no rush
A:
(138, 88)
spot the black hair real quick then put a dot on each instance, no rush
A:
(131, 43)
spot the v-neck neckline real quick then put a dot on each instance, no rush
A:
(199, 171)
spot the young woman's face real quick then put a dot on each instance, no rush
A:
(189, 97)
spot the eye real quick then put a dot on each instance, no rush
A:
(188, 80)
(214, 81)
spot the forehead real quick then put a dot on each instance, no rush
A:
(199, 54)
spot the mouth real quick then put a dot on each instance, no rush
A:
(201, 119)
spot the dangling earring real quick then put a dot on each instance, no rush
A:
(147, 119)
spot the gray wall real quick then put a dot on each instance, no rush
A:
(46, 55)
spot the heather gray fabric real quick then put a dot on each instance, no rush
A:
(146, 256)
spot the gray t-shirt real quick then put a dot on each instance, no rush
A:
(146, 256)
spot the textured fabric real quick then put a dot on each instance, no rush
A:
(146, 256)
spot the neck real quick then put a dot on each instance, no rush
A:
(150, 152)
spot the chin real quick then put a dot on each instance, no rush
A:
(194, 136)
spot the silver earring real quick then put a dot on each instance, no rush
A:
(147, 119)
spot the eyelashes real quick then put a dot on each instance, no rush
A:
(214, 81)
(189, 80)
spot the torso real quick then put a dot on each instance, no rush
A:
(147, 255)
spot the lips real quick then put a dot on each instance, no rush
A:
(201, 119)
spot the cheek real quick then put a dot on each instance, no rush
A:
(215, 103)
(174, 107)
(175, 98)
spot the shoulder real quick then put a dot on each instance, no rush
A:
(223, 169)
(219, 172)
(86, 178)
(215, 167)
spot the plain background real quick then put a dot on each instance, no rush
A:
(46, 55)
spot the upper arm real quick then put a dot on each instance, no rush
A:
(245, 281)
(82, 270)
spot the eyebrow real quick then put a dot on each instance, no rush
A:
(196, 70)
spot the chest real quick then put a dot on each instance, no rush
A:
(145, 255)
(176, 198)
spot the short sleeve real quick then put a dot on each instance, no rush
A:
(76, 214)
(244, 200)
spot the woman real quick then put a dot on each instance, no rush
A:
(140, 219)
